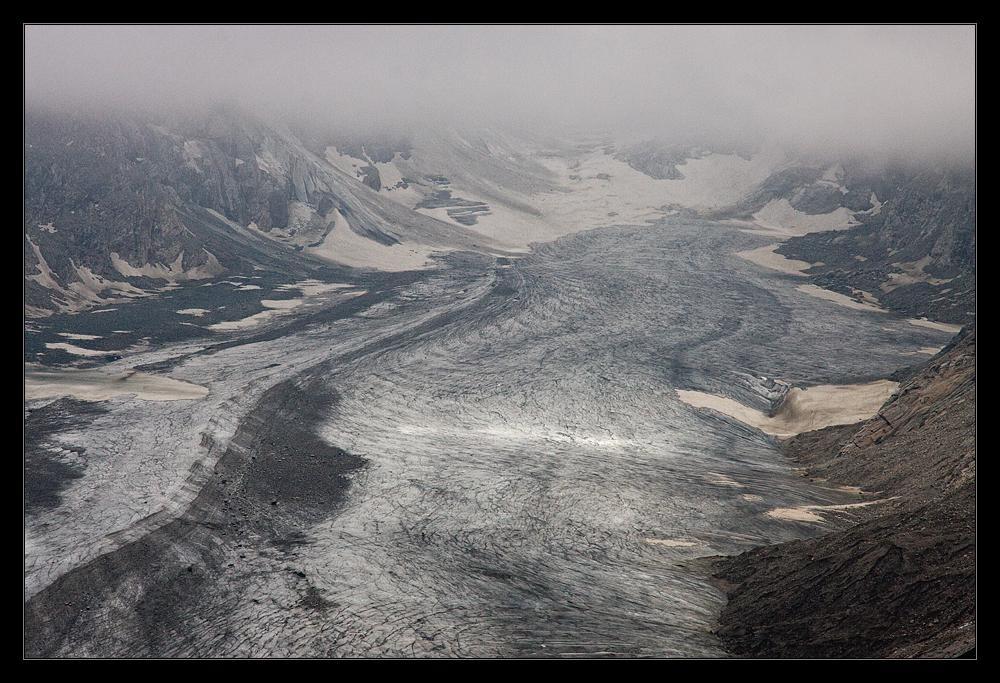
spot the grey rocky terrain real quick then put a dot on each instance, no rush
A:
(915, 254)
(902, 582)
(478, 449)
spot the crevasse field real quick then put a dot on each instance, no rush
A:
(485, 458)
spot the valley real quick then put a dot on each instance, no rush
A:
(425, 432)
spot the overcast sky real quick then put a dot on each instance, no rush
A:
(895, 86)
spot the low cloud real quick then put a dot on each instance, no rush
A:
(895, 88)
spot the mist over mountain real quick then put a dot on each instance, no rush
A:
(866, 89)
(114, 202)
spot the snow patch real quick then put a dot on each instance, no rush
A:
(765, 256)
(76, 350)
(596, 190)
(840, 299)
(344, 246)
(45, 275)
(94, 385)
(171, 273)
(312, 291)
(945, 327)
(814, 513)
(780, 218)
(79, 337)
(803, 410)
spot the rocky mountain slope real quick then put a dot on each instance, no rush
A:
(118, 207)
(913, 249)
(902, 582)
(910, 245)
(115, 206)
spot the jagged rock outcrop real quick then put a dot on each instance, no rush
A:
(87, 196)
(108, 202)
(915, 252)
(903, 582)
(658, 161)
(118, 205)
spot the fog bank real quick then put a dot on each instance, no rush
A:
(893, 88)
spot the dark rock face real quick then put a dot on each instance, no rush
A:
(884, 589)
(372, 178)
(658, 161)
(461, 210)
(88, 192)
(902, 583)
(49, 467)
(96, 186)
(916, 254)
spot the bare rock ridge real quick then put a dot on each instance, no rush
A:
(97, 187)
(120, 207)
(115, 206)
(901, 583)
(913, 247)
(916, 253)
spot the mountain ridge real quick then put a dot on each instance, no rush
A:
(119, 208)
(901, 582)
(96, 186)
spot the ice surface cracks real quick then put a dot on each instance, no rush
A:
(522, 442)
